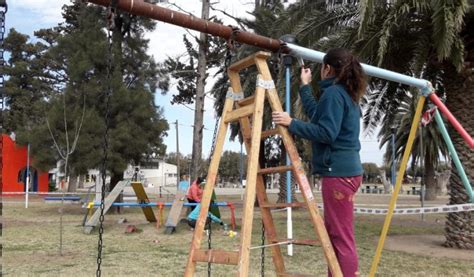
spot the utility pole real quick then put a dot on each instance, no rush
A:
(177, 156)
(199, 105)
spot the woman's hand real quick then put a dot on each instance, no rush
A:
(305, 76)
(281, 118)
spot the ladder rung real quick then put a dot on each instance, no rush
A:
(269, 133)
(246, 101)
(308, 242)
(288, 274)
(248, 61)
(216, 256)
(283, 205)
(277, 169)
(239, 113)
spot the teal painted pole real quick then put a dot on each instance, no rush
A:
(454, 155)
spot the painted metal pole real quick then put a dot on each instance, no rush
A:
(401, 173)
(454, 155)
(27, 181)
(288, 162)
(156, 12)
(155, 204)
(435, 99)
(393, 159)
(422, 169)
(317, 56)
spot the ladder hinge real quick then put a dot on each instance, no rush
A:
(236, 96)
(266, 84)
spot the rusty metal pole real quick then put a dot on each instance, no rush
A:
(141, 8)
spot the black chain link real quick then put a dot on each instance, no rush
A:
(209, 242)
(2, 61)
(228, 58)
(262, 253)
(111, 12)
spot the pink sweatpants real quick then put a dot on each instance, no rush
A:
(338, 198)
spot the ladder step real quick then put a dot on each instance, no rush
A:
(289, 274)
(216, 256)
(269, 133)
(248, 61)
(239, 113)
(277, 169)
(308, 242)
(283, 205)
(246, 101)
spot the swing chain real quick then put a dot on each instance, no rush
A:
(209, 243)
(3, 12)
(262, 253)
(110, 18)
(228, 58)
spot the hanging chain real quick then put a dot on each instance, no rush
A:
(111, 13)
(228, 58)
(3, 12)
(262, 253)
(209, 242)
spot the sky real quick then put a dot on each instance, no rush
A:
(27, 16)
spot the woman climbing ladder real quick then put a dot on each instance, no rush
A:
(334, 129)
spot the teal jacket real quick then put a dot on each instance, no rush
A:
(195, 214)
(333, 129)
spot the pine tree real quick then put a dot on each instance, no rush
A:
(76, 76)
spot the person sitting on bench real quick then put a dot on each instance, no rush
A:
(193, 216)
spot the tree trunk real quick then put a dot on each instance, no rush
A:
(442, 182)
(459, 228)
(82, 178)
(200, 93)
(430, 182)
(72, 184)
(385, 181)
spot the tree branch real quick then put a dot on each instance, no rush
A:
(54, 140)
(236, 19)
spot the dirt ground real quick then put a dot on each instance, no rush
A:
(426, 245)
(30, 243)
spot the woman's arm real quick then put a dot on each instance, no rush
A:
(308, 101)
(329, 124)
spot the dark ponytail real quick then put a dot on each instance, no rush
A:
(348, 71)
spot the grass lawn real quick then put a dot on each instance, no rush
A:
(31, 245)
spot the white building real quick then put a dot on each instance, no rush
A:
(155, 173)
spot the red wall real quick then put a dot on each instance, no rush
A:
(14, 160)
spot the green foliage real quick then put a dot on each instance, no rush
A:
(371, 172)
(229, 167)
(68, 69)
(183, 68)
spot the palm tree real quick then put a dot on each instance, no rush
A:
(432, 142)
(441, 34)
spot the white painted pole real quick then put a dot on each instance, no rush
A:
(287, 61)
(27, 181)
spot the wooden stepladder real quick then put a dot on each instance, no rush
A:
(249, 113)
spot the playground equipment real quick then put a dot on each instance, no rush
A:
(252, 133)
(62, 198)
(142, 198)
(175, 212)
(151, 11)
(162, 205)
